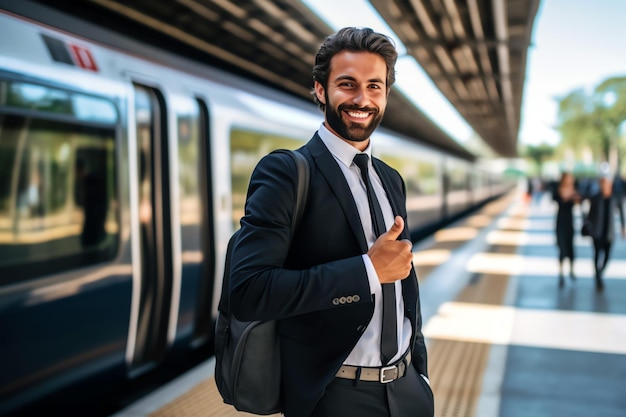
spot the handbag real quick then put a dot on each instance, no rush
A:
(247, 354)
(585, 230)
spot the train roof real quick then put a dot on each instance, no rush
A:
(474, 53)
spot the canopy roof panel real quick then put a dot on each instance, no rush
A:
(475, 53)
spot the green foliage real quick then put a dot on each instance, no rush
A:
(592, 121)
(538, 155)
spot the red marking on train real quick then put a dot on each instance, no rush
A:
(83, 58)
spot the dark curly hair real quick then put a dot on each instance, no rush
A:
(357, 40)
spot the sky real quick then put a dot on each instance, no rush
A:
(575, 44)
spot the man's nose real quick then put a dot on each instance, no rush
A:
(361, 97)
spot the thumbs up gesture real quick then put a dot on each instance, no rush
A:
(391, 257)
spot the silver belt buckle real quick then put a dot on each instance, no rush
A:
(383, 376)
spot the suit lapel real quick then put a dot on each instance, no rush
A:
(327, 166)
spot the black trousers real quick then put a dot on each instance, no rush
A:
(409, 396)
(602, 253)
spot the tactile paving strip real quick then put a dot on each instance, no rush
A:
(456, 368)
(202, 401)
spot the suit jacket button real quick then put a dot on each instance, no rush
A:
(349, 299)
(342, 300)
(356, 298)
(336, 301)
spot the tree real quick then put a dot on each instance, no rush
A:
(613, 114)
(538, 154)
(593, 120)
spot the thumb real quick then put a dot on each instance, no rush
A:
(396, 229)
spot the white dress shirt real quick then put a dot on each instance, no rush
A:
(367, 350)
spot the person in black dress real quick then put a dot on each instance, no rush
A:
(566, 197)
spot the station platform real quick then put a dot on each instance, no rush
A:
(503, 339)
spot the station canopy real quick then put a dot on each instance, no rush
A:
(474, 51)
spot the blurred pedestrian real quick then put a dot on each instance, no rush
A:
(601, 220)
(566, 196)
(537, 190)
(529, 189)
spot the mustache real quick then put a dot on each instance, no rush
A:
(347, 107)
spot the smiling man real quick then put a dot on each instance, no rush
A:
(343, 288)
(357, 104)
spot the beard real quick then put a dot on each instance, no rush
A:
(354, 132)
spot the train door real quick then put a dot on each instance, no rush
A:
(153, 292)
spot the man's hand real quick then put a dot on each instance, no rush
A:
(391, 257)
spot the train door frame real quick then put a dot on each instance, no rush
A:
(154, 279)
(204, 324)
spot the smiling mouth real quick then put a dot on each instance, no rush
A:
(358, 114)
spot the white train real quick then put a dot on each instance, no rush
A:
(123, 173)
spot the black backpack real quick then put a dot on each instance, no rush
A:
(247, 354)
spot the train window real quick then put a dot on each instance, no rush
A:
(41, 98)
(57, 181)
(458, 176)
(191, 177)
(195, 210)
(246, 149)
(421, 176)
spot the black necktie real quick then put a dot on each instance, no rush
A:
(389, 345)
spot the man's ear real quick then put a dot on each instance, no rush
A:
(319, 92)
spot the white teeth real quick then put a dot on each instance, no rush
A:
(358, 115)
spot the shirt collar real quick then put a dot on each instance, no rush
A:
(339, 148)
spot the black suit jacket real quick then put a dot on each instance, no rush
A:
(296, 282)
(597, 219)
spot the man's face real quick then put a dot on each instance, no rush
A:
(356, 95)
(606, 186)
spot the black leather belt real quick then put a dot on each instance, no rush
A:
(383, 374)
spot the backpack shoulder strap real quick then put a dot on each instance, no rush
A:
(302, 190)
(304, 174)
